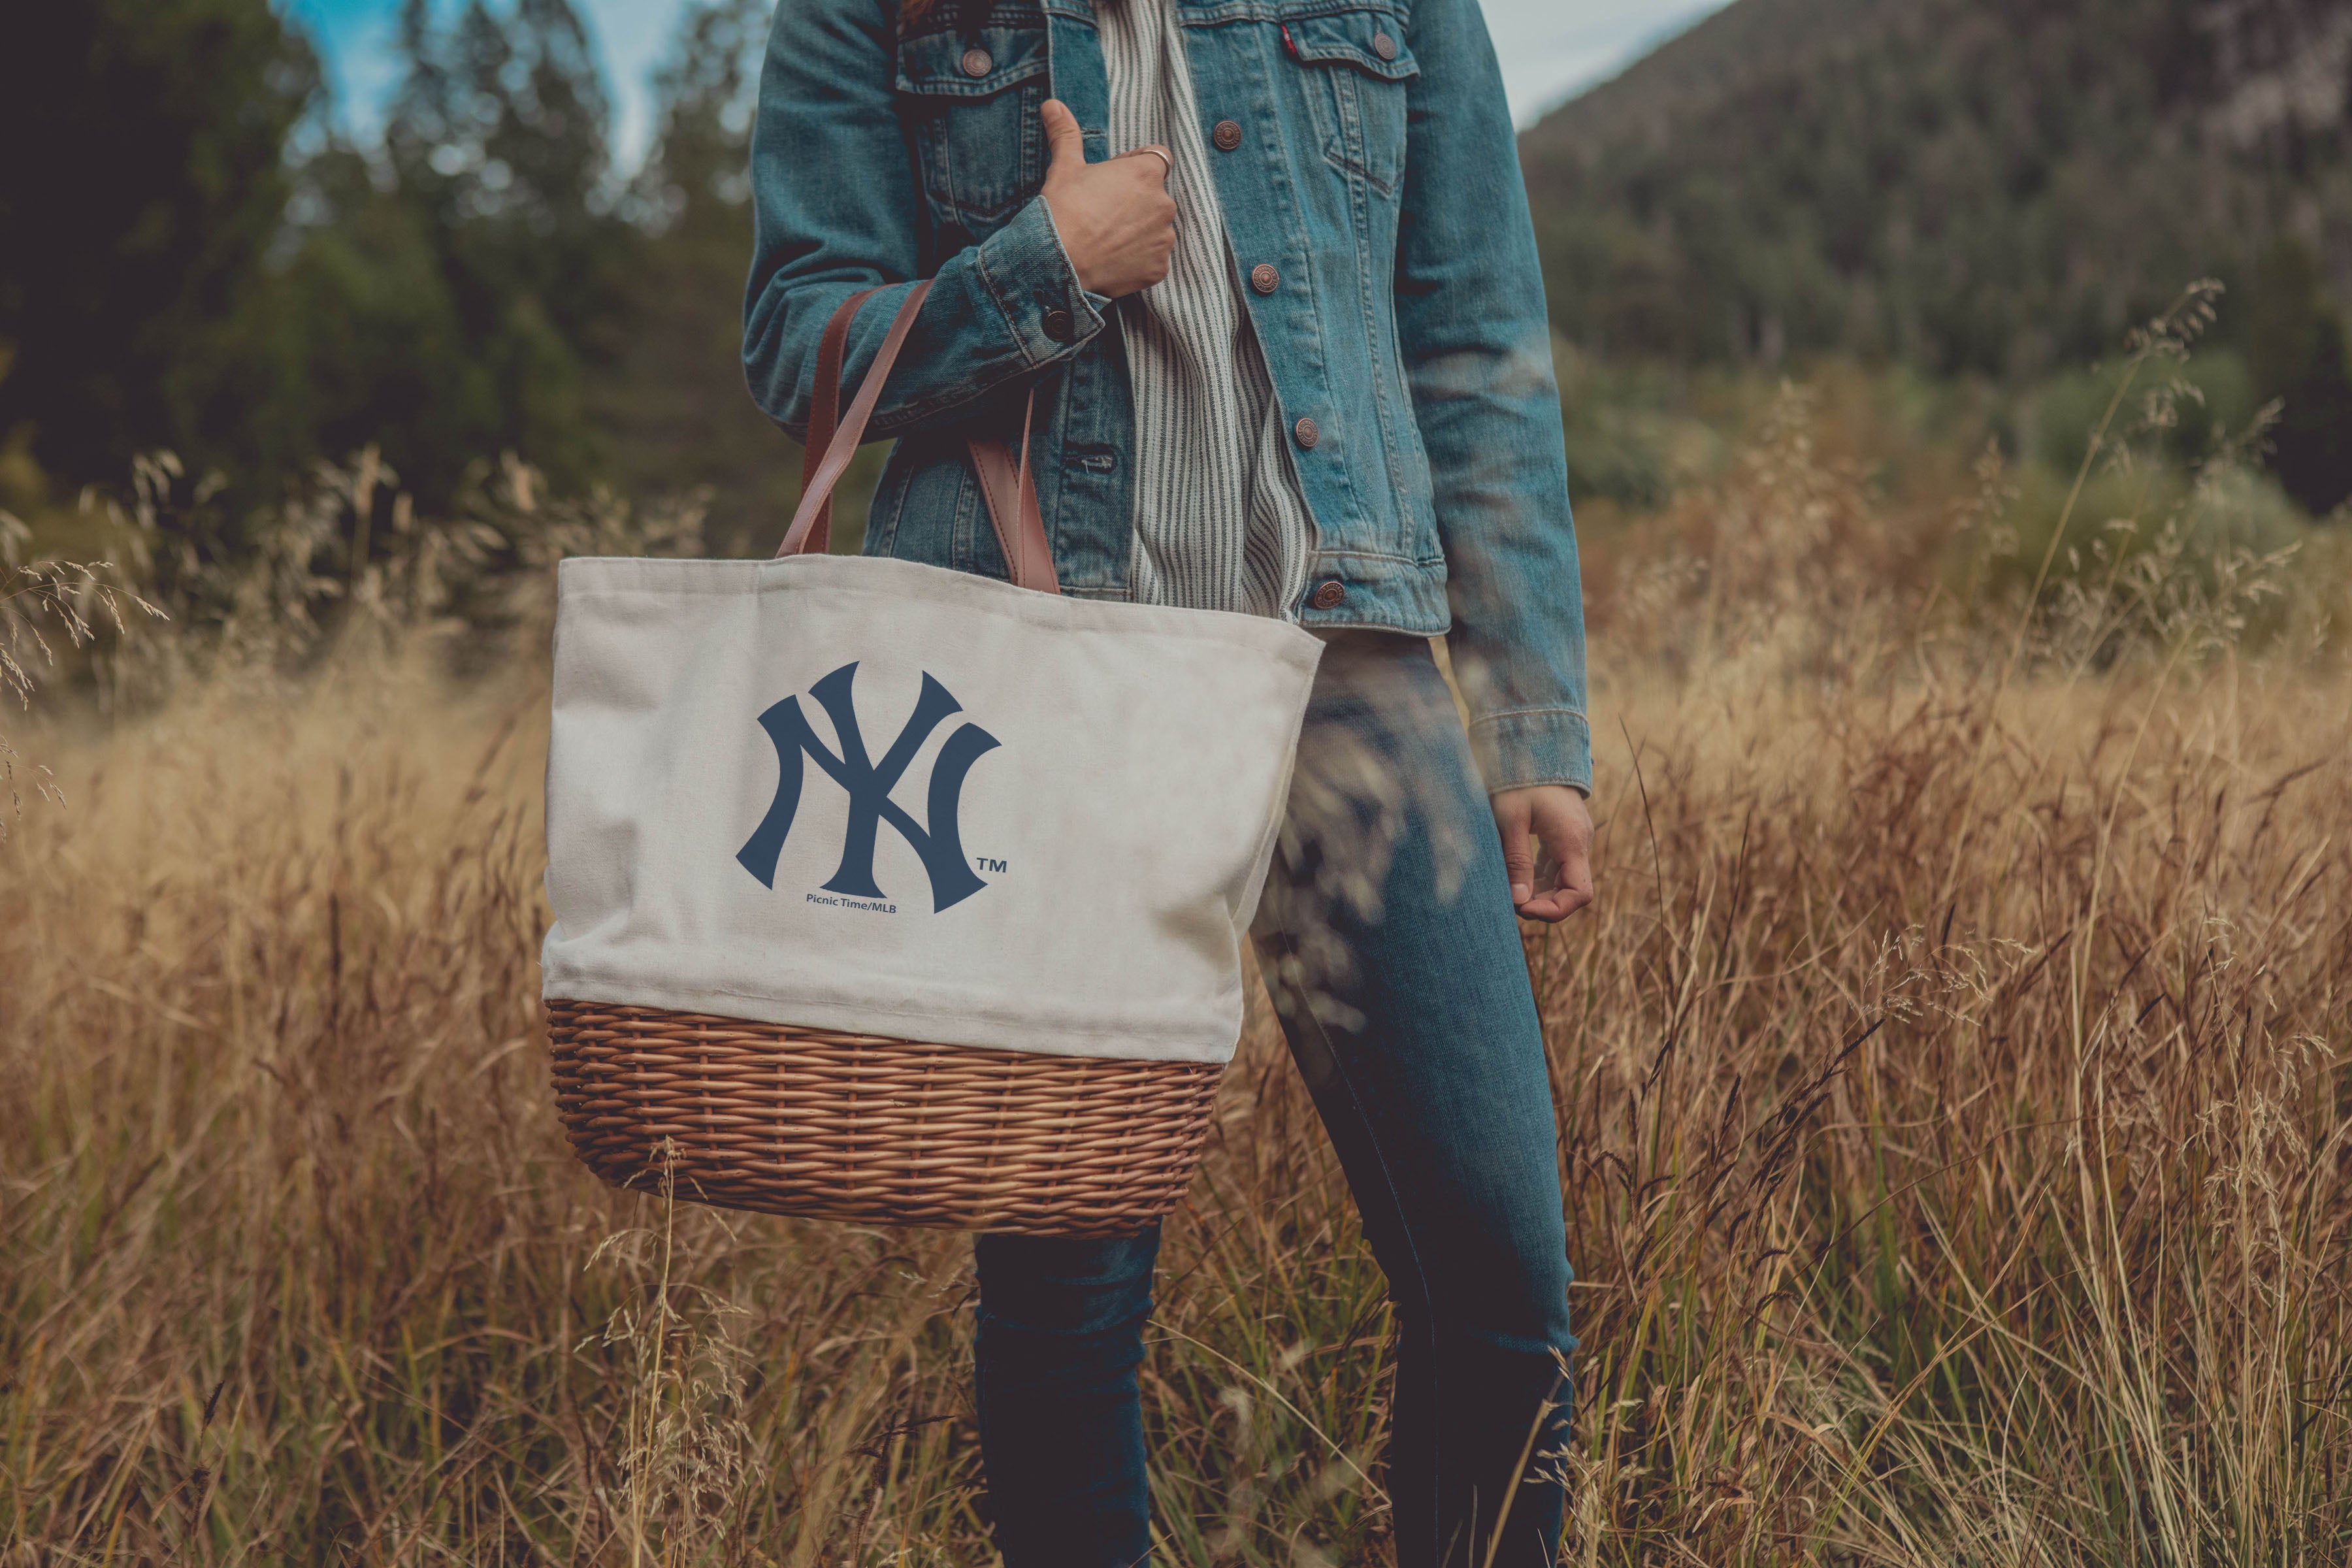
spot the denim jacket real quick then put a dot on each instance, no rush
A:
(1369, 182)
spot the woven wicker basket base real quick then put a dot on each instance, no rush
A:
(852, 1127)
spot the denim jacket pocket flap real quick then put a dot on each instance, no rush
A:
(1371, 41)
(960, 64)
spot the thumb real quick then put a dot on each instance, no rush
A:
(1519, 857)
(1065, 143)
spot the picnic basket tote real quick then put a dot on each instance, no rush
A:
(900, 895)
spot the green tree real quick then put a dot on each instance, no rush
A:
(674, 400)
(2298, 353)
(142, 188)
(371, 346)
(498, 143)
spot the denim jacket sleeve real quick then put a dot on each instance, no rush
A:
(835, 211)
(1478, 351)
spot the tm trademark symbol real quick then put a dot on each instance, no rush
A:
(986, 864)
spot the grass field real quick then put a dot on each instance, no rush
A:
(1956, 1122)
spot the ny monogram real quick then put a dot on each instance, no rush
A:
(939, 841)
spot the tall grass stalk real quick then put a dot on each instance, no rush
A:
(2168, 337)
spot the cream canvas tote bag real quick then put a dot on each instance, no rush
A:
(842, 804)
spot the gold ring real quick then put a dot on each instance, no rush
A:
(1168, 163)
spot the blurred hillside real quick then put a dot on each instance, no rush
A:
(1987, 188)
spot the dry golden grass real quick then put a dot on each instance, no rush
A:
(1952, 1085)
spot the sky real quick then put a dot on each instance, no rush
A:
(1550, 48)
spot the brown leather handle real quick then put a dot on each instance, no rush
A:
(1011, 492)
(816, 489)
(1005, 484)
(825, 410)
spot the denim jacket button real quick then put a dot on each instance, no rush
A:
(1382, 46)
(1265, 279)
(1331, 595)
(978, 62)
(1227, 135)
(1059, 326)
(1307, 432)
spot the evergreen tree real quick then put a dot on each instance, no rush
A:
(674, 400)
(498, 142)
(2298, 353)
(143, 185)
(372, 347)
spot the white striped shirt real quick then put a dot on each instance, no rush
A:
(1220, 523)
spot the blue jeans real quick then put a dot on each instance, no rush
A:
(1388, 940)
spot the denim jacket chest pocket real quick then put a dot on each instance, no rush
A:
(970, 103)
(1356, 65)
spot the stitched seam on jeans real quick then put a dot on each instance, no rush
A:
(1503, 713)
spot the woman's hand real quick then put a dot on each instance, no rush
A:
(1557, 817)
(1116, 220)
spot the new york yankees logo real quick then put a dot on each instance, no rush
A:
(940, 842)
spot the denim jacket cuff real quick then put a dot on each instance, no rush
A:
(1533, 746)
(1029, 276)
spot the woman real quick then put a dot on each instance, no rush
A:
(1268, 267)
